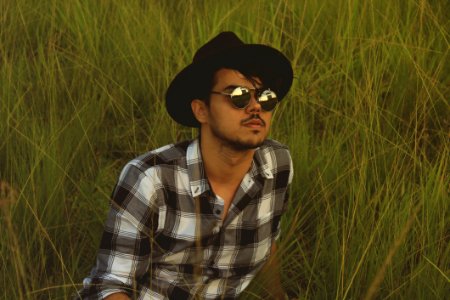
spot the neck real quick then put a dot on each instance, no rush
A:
(223, 163)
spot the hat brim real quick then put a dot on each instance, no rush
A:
(269, 64)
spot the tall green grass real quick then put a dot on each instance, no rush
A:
(367, 122)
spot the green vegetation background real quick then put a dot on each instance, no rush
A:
(367, 121)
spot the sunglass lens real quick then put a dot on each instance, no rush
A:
(268, 100)
(240, 97)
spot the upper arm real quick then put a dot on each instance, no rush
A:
(131, 224)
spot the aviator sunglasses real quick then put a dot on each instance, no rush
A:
(240, 97)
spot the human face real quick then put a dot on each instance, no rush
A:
(240, 129)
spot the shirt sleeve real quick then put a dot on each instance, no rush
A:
(291, 176)
(124, 252)
(286, 196)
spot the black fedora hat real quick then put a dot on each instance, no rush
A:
(225, 50)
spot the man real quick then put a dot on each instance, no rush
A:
(198, 219)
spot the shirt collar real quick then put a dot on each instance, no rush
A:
(263, 162)
(196, 171)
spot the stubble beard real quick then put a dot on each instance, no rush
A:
(236, 143)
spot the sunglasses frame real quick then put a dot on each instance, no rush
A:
(244, 92)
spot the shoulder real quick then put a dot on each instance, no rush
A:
(172, 154)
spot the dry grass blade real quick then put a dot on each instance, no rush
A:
(379, 276)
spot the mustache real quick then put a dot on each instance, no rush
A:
(253, 117)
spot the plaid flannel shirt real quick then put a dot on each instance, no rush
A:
(164, 237)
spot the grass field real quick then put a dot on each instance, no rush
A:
(367, 121)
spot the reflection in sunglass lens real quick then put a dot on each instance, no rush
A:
(240, 97)
(268, 100)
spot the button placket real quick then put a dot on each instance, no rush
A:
(218, 205)
(216, 228)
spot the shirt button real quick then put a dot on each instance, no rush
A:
(217, 211)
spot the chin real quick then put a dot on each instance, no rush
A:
(241, 141)
(249, 144)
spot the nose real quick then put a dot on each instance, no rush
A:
(253, 106)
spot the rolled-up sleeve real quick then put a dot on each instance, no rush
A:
(125, 247)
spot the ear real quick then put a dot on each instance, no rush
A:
(200, 110)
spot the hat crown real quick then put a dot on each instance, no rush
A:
(219, 44)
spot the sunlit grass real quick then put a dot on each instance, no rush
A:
(367, 122)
